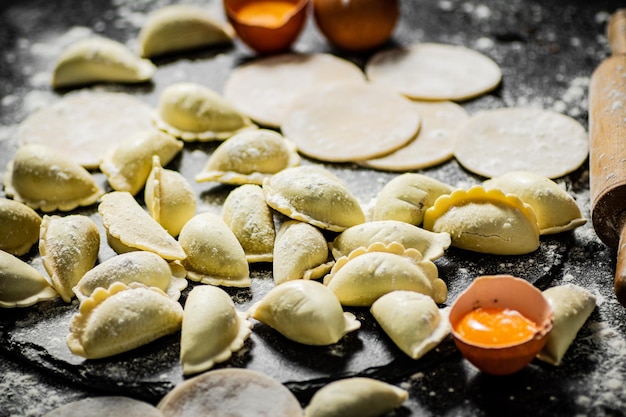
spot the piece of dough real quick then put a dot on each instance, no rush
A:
(86, 125)
(434, 71)
(265, 88)
(346, 122)
(434, 143)
(105, 407)
(494, 142)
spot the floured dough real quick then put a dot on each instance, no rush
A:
(86, 125)
(434, 143)
(433, 71)
(105, 407)
(19, 227)
(265, 88)
(494, 142)
(350, 122)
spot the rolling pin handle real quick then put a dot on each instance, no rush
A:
(616, 32)
(619, 284)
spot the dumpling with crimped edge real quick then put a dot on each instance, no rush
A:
(305, 312)
(430, 244)
(412, 320)
(122, 318)
(249, 157)
(181, 27)
(300, 252)
(98, 59)
(572, 305)
(128, 164)
(214, 255)
(142, 267)
(355, 397)
(486, 221)
(69, 248)
(46, 179)
(130, 227)
(21, 285)
(249, 217)
(362, 277)
(194, 112)
(406, 197)
(169, 198)
(212, 329)
(555, 209)
(313, 195)
(19, 227)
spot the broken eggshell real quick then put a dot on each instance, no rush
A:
(502, 291)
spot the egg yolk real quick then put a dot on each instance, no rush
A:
(265, 13)
(495, 326)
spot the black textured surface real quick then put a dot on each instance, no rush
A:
(547, 51)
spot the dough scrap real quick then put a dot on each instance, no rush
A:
(86, 124)
(265, 88)
(345, 122)
(434, 71)
(494, 142)
(435, 141)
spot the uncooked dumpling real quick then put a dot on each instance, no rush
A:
(249, 157)
(212, 329)
(555, 209)
(194, 112)
(362, 277)
(181, 27)
(249, 217)
(214, 255)
(306, 312)
(97, 59)
(46, 179)
(407, 196)
(300, 252)
(430, 244)
(355, 397)
(412, 320)
(19, 227)
(314, 195)
(69, 248)
(21, 285)
(169, 198)
(122, 318)
(486, 221)
(128, 164)
(129, 227)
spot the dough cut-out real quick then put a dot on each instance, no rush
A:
(21, 284)
(115, 405)
(434, 71)
(314, 195)
(212, 329)
(181, 27)
(265, 88)
(306, 312)
(19, 227)
(46, 179)
(486, 221)
(494, 142)
(98, 59)
(69, 248)
(347, 122)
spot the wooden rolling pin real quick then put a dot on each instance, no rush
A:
(607, 152)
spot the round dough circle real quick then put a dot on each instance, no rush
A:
(494, 142)
(86, 125)
(350, 122)
(432, 71)
(106, 407)
(230, 392)
(434, 143)
(265, 88)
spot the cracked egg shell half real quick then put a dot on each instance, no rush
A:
(496, 353)
(486, 221)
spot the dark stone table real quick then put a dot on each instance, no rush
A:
(547, 51)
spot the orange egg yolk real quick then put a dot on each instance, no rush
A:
(495, 326)
(271, 13)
